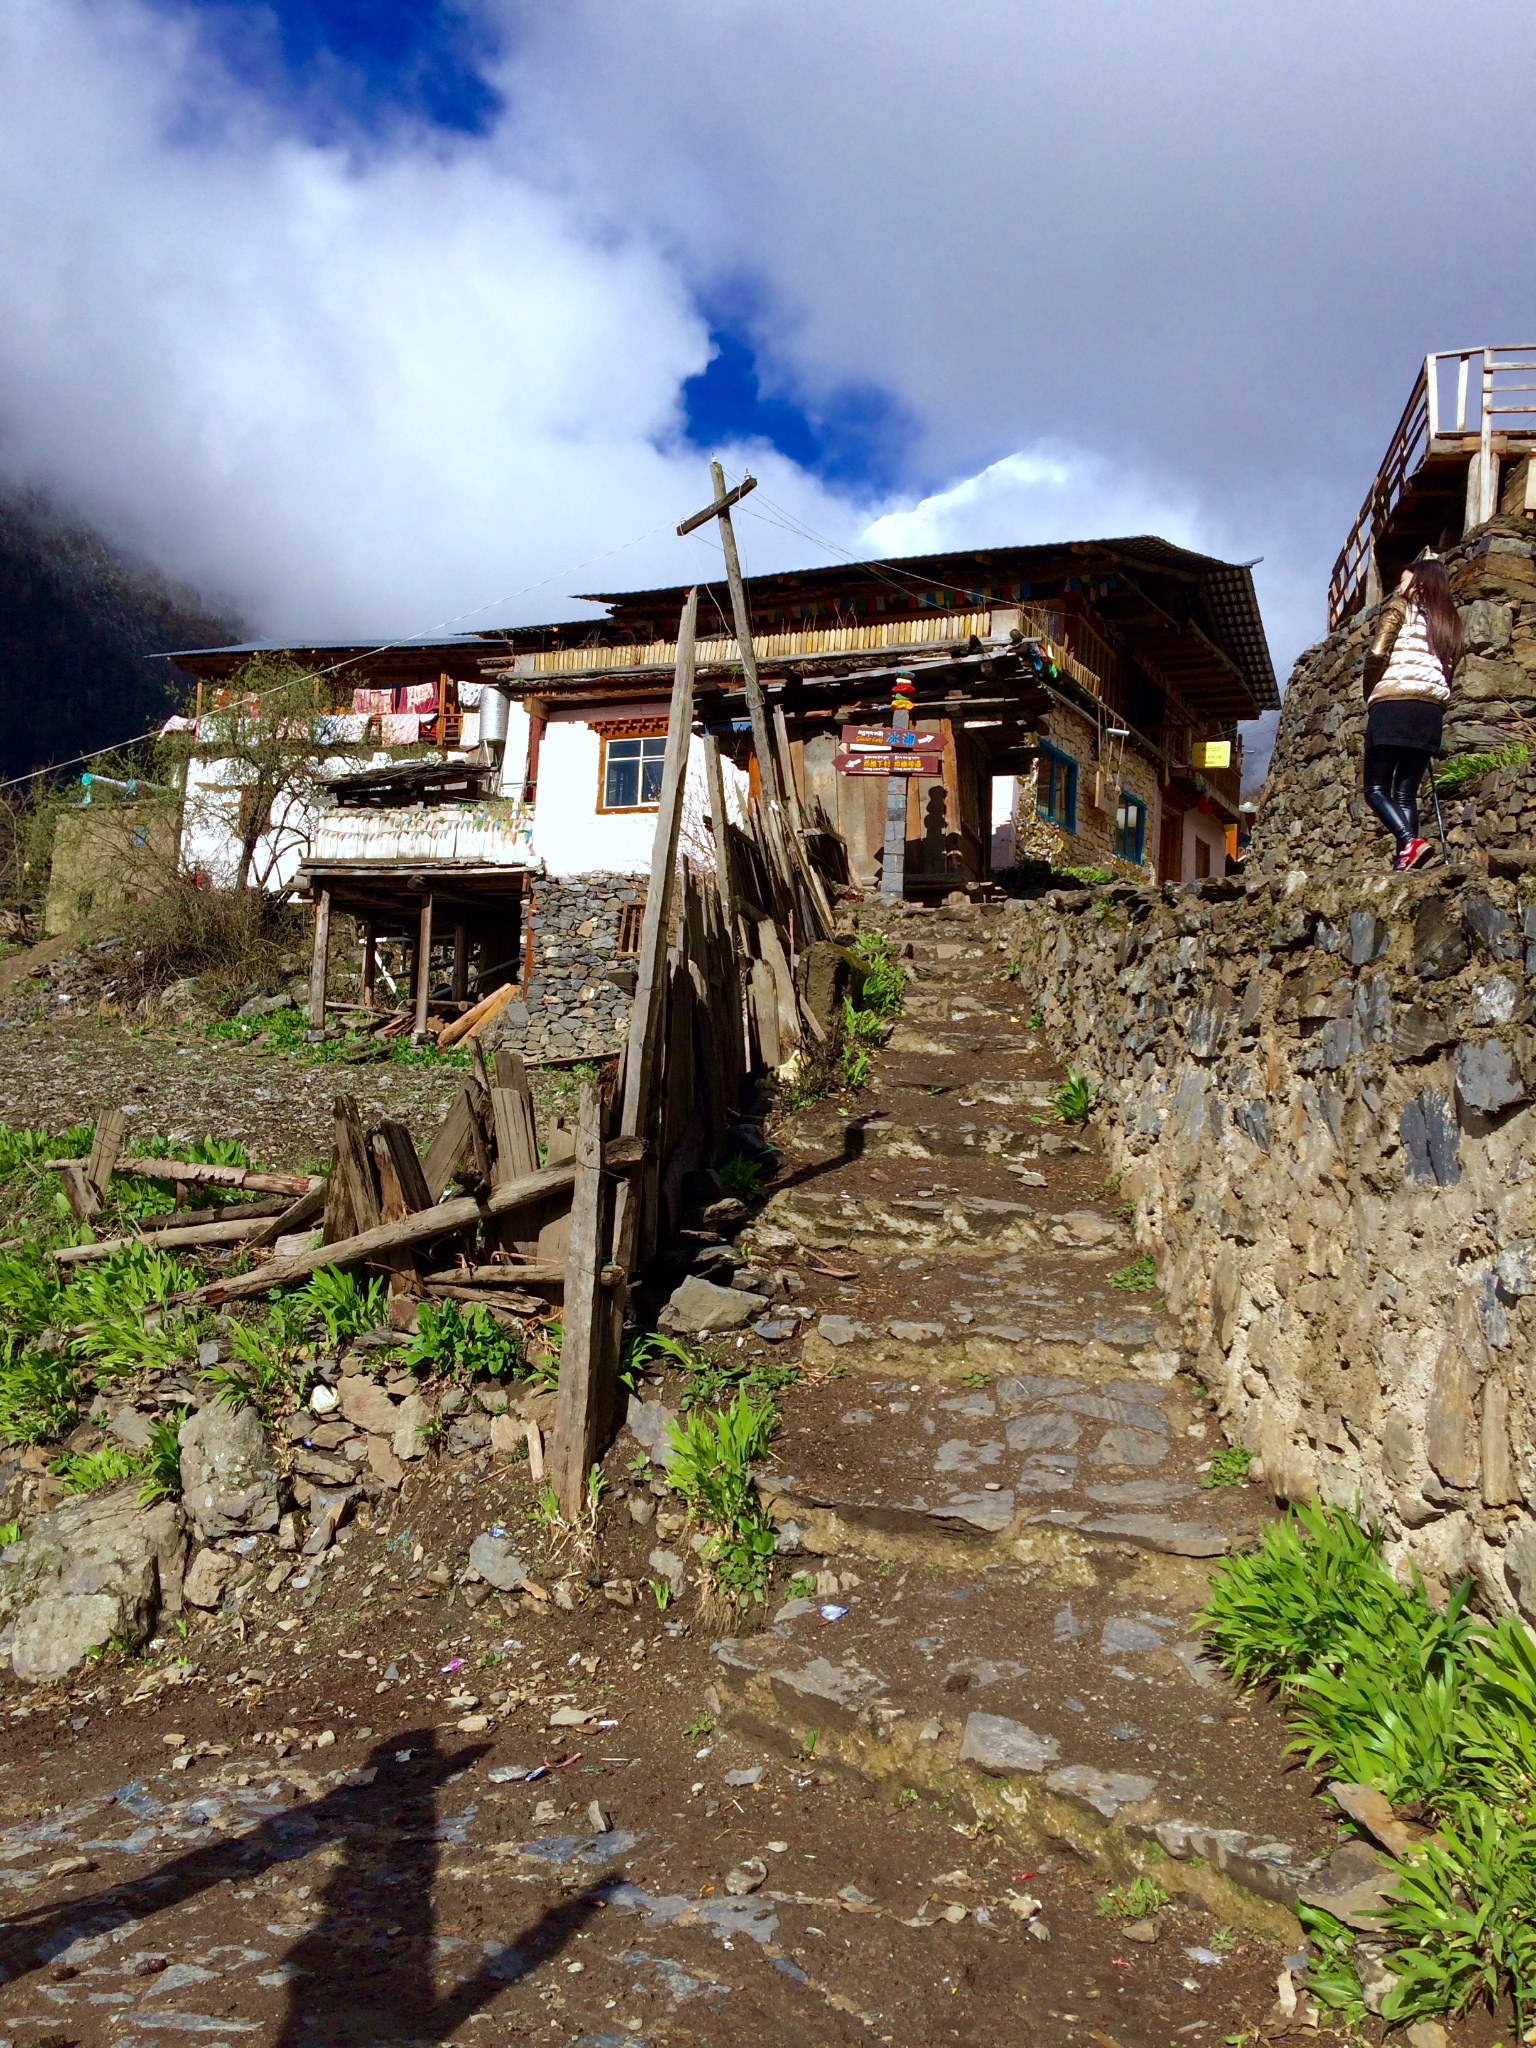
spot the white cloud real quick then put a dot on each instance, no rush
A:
(1180, 261)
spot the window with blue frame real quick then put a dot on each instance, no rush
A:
(1056, 789)
(632, 773)
(1131, 828)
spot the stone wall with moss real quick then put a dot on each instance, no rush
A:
(1320, 1094)
(1312, 814)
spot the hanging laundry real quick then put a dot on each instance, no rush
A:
(341, 728)
(400, 729)
(416, 697)
(372, 703)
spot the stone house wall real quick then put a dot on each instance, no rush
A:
(1312, 814)
(1092, 844)
(576, 1004)
(1318, 1093)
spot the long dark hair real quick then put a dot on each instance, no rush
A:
(1431, 591)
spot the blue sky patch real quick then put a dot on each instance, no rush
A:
(360, 64)
(859, 437)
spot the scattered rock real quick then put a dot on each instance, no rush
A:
(1105, 1791)
(917, 1333)
(493, 1558)
(327, 1507)
(1000, 1746)
(411, 1420)
(208, 1578)
(1146, 1931)
(698, 1307)
(365, 1402)
(746, 1877)
(383, 1463)
(669, 1566)
(843, 1330)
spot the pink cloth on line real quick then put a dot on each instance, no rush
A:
(418, 697)
(373, 703)
(400, 729)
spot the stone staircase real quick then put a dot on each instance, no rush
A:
(993, 1469)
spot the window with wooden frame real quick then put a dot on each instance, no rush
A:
(1056, 789)
(1131, 828)
(633, 756)
(631, 923)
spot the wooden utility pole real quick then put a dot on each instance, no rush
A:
(762, 746)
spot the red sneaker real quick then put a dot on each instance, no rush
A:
(1416, 854)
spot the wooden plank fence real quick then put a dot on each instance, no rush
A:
(717, 1001)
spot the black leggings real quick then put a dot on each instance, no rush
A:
(1392, 778)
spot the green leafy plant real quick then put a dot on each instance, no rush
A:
(95, 1471)
(741, 1178)
(162, 1460)
(1093, 878)
(661, 1593)
(1138, 1900)
(42, 1396)
(335, 1299)
(546, 1508)
(711, 1467)
(885, 979)
(1036, 1020)
(465, 1344)
(1139, 1277)
(1431, 1709)
(1331, 1979)
(802, 1586)
(1467, 767)
(9, 1533)
(1228, 1468)
(1074, 1099)
(705, 1725)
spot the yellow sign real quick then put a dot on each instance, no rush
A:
(1212, 754)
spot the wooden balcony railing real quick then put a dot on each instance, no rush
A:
(1473, 403)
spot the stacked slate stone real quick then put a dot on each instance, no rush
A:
(1320, 1092)
(1312, 814)
(576, 1004)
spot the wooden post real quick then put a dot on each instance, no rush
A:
(423, 966)
(650, 989)
(893, 870)
(721, 510)
(370, 963)
(320, 965)
(787, 768)
(719, 821)
(460, 962)
(111, 1128)
(582, 1353)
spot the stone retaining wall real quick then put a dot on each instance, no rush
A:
(576, 1004)
(1312, 814)
(1318, 1093)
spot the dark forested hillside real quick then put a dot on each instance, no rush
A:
(77, 619)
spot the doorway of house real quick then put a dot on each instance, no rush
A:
(1003, 816)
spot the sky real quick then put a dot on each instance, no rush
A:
(368, 317)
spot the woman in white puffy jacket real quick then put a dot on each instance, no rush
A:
(1407, 681)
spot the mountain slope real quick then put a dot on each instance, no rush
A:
(77, 620)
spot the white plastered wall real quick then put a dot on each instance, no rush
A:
(1198, 826)
(572, 836)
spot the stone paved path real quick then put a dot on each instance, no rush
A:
(995, 1471)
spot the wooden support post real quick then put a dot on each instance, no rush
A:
(893, 869)
(423, 966)
(370, 963)
(111, 1127)
(320, 965)
(460, 962)
(721, 510)
(787, 769)
(583, 1351)
(719, 822)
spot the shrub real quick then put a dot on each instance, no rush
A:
(96, 1471)
(230, 939)
(162, 1460)
(41, 1397)
(1074, 1099)
(712, 1460)
(1139, 1277)
(465, 1343)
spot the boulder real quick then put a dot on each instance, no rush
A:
(468, 1433)
(208, 1578)
(99, 1566)
(383, 1463)
(229, 1478)
(698, 1307)
(507, 1434)
(365, 1402)
(1001, 1746)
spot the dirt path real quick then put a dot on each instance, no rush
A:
(829, 1830)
